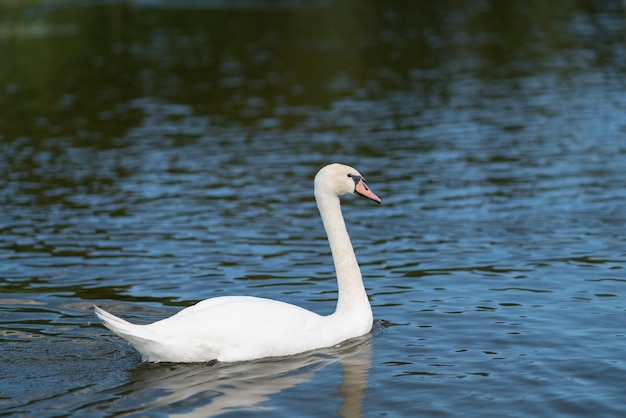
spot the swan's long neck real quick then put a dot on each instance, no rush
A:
(352, 298)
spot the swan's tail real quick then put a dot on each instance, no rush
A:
(139, 336)
(133, 333)
(114, 323)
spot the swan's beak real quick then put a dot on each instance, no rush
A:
(361, 189)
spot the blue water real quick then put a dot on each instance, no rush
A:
(152, 157)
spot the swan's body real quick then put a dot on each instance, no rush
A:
(236, 328)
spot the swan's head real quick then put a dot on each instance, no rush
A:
(340, 179)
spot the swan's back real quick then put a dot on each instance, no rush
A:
(230, 328)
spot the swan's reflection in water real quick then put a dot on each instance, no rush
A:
(208, 390)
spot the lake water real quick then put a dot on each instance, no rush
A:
(154, 156)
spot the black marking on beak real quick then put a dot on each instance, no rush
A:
(356, 179)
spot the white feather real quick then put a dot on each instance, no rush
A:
(236, 328)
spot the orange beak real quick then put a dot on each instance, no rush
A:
(361, 189)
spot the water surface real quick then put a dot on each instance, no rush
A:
(154, 156)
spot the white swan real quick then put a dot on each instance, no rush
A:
(237, 328)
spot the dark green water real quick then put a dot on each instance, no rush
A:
(154, 156)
